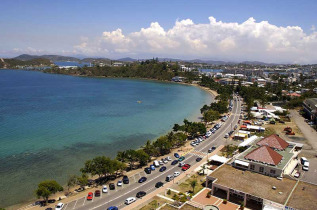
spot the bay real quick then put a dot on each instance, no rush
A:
(50, 124)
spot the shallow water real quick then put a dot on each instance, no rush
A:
(51, 124)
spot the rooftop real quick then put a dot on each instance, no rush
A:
(254, 183)
(274, 141)
(264, 154)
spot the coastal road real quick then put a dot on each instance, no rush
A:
(118, 196)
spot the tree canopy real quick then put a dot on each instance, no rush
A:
(46, 188)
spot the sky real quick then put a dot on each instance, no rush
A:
(282, 31)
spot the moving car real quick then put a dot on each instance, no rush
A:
(112, 186)
(125, 180)
(176, 173)
(176, 155)
(185, 167)
(142, 179)
(90, 196)
(59, 206)
(112, 208)
(198, 159)
(104, 189)
(97, 193)
(140, 194)
(159, 184)
(163, 168)
(147, 170)
(174, 162)
(181, 158)
(130, 200)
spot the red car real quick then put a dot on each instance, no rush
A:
(185, 167)
(90, 196)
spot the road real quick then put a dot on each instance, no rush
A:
(118, 196)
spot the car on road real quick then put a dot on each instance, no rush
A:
(174, 162)
(119, 183)
(181, 164)
(112, 208)
(147, 170)
(176, 173)
(176, 155)
(185, 167)
(90, 196)
(112, 186)
(297, 175)
(97, 193)
(152, 167)
(130, 200)
(59, 206)
(211, 149)
(125, 180)
(163, 168)
(142, 179)
(159, 184)
(104, 189)
(198, 159)
(181, 158)
(140, 194)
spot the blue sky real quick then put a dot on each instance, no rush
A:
(57, 26)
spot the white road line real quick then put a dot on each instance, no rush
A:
(66, 205)
(75, 203)
(84, 201)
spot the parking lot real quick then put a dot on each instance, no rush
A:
(311, 175)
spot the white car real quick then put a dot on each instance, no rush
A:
(104, 189)
(119, 183)
(181, 164)
(161, 162)
(297, 175)
(169, 158)
(165, 161)
(130, 200)
(176, 173)
(59, 206)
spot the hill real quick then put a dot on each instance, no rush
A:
(53, 58)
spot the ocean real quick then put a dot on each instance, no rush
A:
(51, 124)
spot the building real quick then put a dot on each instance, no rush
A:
(271, 156)
(310, 109)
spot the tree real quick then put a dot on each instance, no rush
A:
(83, 180)
(211, 115)
(46, 188)
(193, 184)
(143, 157)
(72, 181)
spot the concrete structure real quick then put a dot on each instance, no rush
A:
(271, 156)
(310, 109)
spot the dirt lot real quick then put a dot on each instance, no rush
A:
(304, 197)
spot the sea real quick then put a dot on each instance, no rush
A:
(51, 124)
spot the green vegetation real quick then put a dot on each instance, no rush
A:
(150, 69)
(193, 129)
(193, 184)
(211, 115)
(14, 63)
(229, 150)
(71, 182)
(47, 188)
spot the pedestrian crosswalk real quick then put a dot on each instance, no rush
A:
(198, 153)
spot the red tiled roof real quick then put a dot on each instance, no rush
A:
(274, 141)
(264, 154)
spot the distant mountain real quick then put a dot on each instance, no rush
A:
(91, 60)
(53, 58)
(127, 59)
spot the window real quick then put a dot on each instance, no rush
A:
(261, 169)
(272, 171)
(252, 167)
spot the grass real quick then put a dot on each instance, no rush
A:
(154, 204)
(186, 187)
(267, 132)
(304, 197)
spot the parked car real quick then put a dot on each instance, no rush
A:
(140, 194)
(142, 179)
(169, 178)
(147, 170)
(181, 164)
(181, 158)
(156, 163)
(163, 168)
(90, 196)
(59, 206)
(169, 158)
(176, 173)
(125, 180)
(104, 189)
(198, 159)
(161, 162)
(152, 167)
(112, 208)
(174, 162)
(112, 186)
(165, 161)
(97, 193)
(176, 155)
(159, 184)
(185, 167)
(303, 160)
(119, 183)
(306, 166)
(297, 175)
(130, 200)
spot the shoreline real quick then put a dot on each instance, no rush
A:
(195, 116)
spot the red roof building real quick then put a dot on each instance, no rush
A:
(264, 154)
(274, 141)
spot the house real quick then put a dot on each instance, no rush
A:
(271, 156)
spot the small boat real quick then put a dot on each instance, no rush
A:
(139, 102)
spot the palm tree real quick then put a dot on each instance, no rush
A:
(193, 184)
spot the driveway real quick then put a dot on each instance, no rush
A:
(309, 133)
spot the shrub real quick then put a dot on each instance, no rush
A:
(224, 201)
(168, 192)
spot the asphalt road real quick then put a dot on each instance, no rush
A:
(118, 196)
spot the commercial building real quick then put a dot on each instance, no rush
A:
(310, 109)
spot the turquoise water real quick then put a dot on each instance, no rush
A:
(50, 124)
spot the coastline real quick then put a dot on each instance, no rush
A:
(210, 92)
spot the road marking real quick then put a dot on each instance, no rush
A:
(75, 203)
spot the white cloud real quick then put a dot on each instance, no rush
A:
(232, 41)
